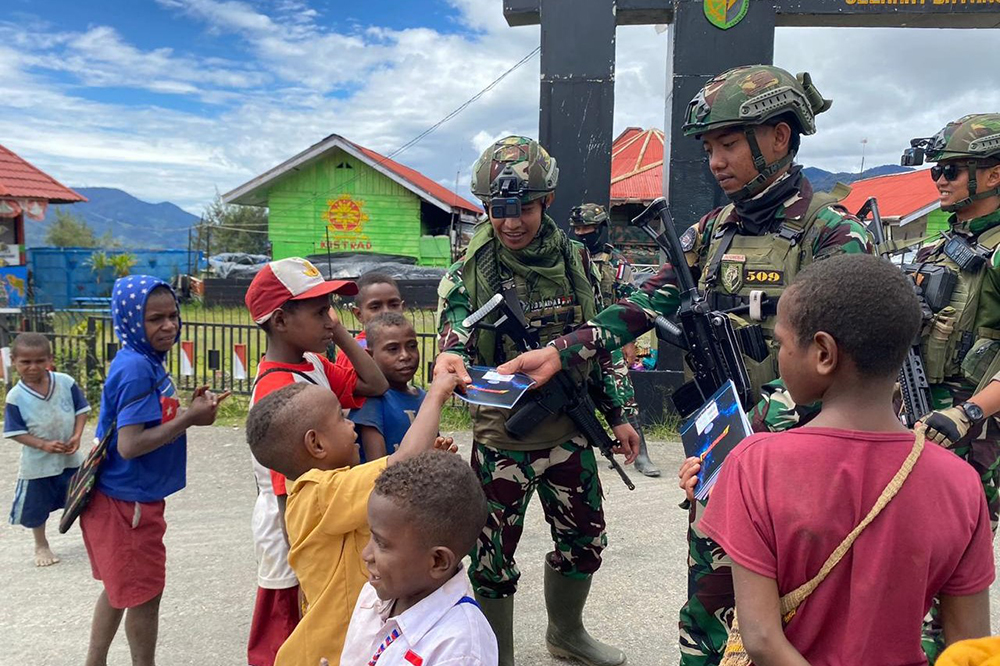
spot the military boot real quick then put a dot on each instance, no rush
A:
(566, 637)
(500, 614)
(643, 463)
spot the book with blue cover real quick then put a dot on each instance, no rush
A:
(493, 389)
(712, 432)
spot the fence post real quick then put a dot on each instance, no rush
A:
(91, 361)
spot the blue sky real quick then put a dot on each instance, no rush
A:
(177, 99)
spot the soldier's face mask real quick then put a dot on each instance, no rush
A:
(949, 171)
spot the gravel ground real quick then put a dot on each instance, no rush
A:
(205, 613)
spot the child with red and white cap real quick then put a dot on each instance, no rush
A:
(290, 300)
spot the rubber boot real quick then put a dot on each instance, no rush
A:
(643, 463)
(566, 637)
(500, 614)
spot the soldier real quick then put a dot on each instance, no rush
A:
(591, 225)
(959, 346)
(749, 120)
(521, 247)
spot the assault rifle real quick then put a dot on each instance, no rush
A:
(913, 384)
(713, 351)
(560, 394)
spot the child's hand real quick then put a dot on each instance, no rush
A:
(72, 444)
(204, 405)
(689, 476)
(54, 446)
(334, 318)
(445, 444)
(443, 387)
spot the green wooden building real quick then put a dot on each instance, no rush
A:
(337, 196)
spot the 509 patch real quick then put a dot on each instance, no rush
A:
(752, 276)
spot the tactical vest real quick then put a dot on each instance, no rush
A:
(603, 263)
(739, 265)
(951, 334)
(551, 312)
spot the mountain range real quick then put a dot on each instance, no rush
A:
(823, 181)
(133, 222)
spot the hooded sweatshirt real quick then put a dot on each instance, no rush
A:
(139, 391)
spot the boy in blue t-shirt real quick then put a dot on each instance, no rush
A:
(123, 524)
(382, 421)
(46, 412)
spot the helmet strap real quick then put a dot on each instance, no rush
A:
(973, 194)
(765, 171)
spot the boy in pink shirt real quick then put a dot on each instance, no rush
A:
(785, 501)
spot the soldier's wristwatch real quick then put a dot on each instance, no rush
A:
(973, 411)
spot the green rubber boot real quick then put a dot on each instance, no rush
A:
(500, 614)
(566, 637)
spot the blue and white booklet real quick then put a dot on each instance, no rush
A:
(712, 432)
(493, 389)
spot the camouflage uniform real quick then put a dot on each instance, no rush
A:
(557, 293)
(804, 227)
(959, 345)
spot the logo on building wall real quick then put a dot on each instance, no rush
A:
(345, 222)
(726, 13)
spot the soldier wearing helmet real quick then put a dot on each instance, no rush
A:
(520, 249)
(591, 224)
(750, 120)
(961, 341)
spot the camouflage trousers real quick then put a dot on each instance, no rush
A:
(981, 449)
(706, 617)
(569, 489)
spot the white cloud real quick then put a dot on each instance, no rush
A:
(293, 81)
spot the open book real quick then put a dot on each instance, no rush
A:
(712, 432)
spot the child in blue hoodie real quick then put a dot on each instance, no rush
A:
(123, 524)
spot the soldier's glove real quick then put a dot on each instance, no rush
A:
(947, 426)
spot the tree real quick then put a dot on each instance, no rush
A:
(69, 230)
(227, 228)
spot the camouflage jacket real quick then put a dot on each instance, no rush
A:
(612, 390)
(835, 231)
(615, 273)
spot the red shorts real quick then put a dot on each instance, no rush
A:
(125, 543)
(275, 615)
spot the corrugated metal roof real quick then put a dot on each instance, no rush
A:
(637, 166)
(19, 179)
(255, 192)
(899, 194)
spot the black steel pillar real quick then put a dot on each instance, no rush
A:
(576, 119)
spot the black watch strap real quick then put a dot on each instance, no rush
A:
(973, 411)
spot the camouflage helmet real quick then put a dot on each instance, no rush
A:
(751, 95)
(588, 214)
(974, 136)
(531, 170)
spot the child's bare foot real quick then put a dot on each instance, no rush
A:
(44, 557)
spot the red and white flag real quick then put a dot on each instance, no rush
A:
(239, 361)
(187, 358)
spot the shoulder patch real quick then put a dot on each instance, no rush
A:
(688, 238)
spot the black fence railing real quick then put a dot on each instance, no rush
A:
(220, 349)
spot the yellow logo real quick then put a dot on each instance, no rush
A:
(345, 215)
(309, 270)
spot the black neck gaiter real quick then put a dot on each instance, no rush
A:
(757, 215)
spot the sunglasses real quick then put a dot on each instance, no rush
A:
(949, 171)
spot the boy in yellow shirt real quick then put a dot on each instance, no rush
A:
(300, 431)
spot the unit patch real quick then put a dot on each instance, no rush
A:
(732, 276)
(755, 277)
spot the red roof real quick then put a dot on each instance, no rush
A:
(420, 181)
(637, 166)
(899, 194)
(19, 179)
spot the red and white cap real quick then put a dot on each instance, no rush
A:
(292, 279)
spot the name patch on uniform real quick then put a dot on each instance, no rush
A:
(753, 276)
(734, 257)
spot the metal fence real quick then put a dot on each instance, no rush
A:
(219, 348)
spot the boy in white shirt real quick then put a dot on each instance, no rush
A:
(417, 608)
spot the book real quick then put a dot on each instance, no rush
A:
(492, 389)
(712, 432)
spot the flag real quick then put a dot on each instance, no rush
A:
(187, 358)
(239, 361)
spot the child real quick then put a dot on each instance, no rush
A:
(123, 525)
(383, 421)
(46, 412)
(377, 293)
(301, 432)
(290, 300)
(784, 502)
(416, 608)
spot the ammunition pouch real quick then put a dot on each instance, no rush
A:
(980, 358)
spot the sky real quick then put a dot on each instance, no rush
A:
(175, 100)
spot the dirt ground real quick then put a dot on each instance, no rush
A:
(205, 614)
